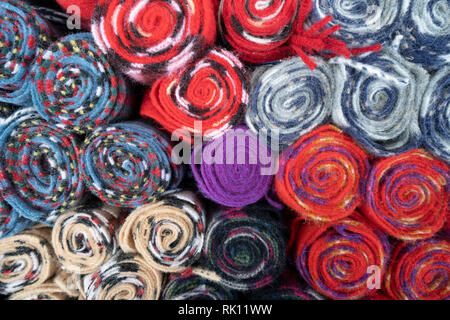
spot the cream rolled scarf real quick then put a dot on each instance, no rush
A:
(169, 234)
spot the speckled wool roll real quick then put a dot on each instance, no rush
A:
(289, 100)
(168, 234)
(377, 101)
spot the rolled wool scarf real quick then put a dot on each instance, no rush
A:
(74, 86)
(149, 38)
(334, 258)
(420, 271)
(23, 36)
(206, 99)
(377, 101)
(407, 195)
(128, 164)
(289, 100)
(234, 169)
(322, 175)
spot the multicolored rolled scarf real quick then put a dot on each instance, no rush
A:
(407, 195)
(206, 99)
(168, 234)
(135, 40)
(23, 36)
(128, 164)
(334, 258)
(420, 271)
(235, 169)
(434, 120)
(73, 85)
(288, 99)
(322, 175)
(377, 101)
(123, 277)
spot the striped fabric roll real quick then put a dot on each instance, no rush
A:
(135, 40)
(168, 234)
(74, 86)
(128, 164)
(407, 195)
(322, 175)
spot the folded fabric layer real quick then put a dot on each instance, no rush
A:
(322, 175)
(168, 234)
(206, 99)
(128, 164)
(420, 271)
(407, 195)
(133, 36)
(289, 100)
(74, 86)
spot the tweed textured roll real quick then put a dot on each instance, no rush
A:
(322, 175)
(73, 85)
(377, 101)
(420, 271)
(128, 164)
(124, 277)
(334, 258)
(231, 170)
(212, 93)
(291, 100)
(407, 195)
(23, 36)
(150, 38)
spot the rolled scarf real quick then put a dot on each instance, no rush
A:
(420, 271)
(128, 164)
(322, 175)
(130, 32)
(168, 234)
(407, 195)
(289, 100)
(235, 169)
(23, 36)
(434, 117)
(85, 238)
(73, 85)
(206, 99)
(377, 101)
(124, 277)
(334, 258)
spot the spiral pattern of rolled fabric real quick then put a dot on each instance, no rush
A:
(74, 86)
(212, 94)
(322, 175)
(135, 40)
(334, 258)
(420, 271)
(377, 101)
(434, 120)
(128, 164)
(168, 234)
(235, 169)
(23, 36)
(407, 195)
(288, 99)
(123, 277)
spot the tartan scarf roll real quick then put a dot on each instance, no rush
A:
(135, 40)
(168, 234)
(74, 86)
(290, 99)
(213, 93)
(420, 271)
(128, 164)
(23, 36)
(322, 175)
(407, 195)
